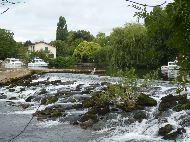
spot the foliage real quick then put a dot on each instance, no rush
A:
(85, 51)
(41, 54)
(61, 47)
(128, 47)
(62, 62)
(61, 33)
(8, 46)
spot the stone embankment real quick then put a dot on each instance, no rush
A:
(11, 75)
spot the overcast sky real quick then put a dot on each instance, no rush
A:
(37, 19)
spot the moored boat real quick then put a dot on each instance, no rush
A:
(37, 62)
(11, 63)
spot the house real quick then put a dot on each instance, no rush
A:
(43, 46)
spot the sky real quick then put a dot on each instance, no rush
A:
(36, 20)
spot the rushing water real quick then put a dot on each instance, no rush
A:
(116, 125)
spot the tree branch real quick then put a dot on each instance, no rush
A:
(145, 5)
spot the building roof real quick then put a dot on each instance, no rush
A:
(42, 42)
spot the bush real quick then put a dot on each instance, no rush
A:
(62, 62)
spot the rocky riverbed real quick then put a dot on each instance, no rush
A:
(89, 107)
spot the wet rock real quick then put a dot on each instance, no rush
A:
(79, 87)
(29, 99)
(174, 135)
(164, 131)
(170, 101)
(13, 98)
(50, 112)
(89, 116)
(22, 89)
(144, 100)
(11, 90)
(25, 106)
(78, 106)
(101, 110)
(49, 100)
(140, 115)
(181, 107)
(105, 83)
(43, 91)
(3, 96)
(98, 99)
(87, 124)
(127, 106)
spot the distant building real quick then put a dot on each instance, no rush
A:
(42, 46)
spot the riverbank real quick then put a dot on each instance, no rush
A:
(11, 75)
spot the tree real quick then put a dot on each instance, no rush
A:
(157, 23)
(61, 33)
(8, 47)
(128, 47)
(101, 39)
(27, 43)
(85, 51)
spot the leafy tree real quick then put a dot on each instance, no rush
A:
(101, 39)
(157, 24)
(8, 47)
(179, 13)
(85, 51)
(61, 33)
(62, 47)
(129, 47)
(27, 43)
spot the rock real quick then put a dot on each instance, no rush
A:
(11, 90)
(3, 96)
(87, 124)
(89, 115)
(105, 83)
(127, 106)
(98, 100)
(25, 106)
(79, 87)
(170, 101)
(13, 98)
(49, 100)
(77, 106)
(101, 110)
(181, 107)
(174, 135)
(50, 112)
(140, 115)
(144, 100)
(22, 89)
(164, 131)
(29, 99)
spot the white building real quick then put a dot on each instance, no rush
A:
(42, 46)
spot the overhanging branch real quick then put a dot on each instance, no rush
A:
(145, 5)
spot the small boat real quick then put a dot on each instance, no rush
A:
(37, 62)
(11, 63)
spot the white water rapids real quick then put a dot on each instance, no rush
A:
(117, 128)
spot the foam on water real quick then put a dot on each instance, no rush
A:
(48, 124)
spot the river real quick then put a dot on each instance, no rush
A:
(115, 127)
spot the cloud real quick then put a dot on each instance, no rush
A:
(36, 19)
